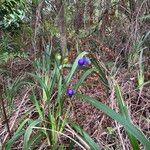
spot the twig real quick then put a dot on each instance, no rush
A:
(121, 138)
(77, 136)
(4, 110)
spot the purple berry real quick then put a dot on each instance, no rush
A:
(86, 61)
(70, 92)
(81, 62)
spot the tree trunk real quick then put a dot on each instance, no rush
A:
(61, 25)
(78, 18)
(36, 23)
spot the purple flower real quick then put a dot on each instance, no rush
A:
(70, 92)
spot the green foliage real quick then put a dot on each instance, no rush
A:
(145, 17)
(86, 137)
(28, 133)
(49, 79)
(12, 13)
(10, 49)
(141, 70)
(124, 112)
(20, 131)
(49, 85)
(122, 117)
(11, 89)
(83, 77)
(101, 72)
(134, 131)
(138, 47)
(47, 75)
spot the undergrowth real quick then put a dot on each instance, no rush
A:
(74, 75)
(48, 93)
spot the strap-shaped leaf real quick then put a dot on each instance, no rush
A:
(111, 113)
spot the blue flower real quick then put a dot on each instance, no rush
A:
(70, 92)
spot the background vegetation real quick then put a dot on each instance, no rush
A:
(74, 74)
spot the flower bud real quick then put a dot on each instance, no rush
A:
(58, 56)
(66, 60)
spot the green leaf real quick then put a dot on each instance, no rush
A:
(74, 67)
(28, 133)
(13, 139)
(111, 113)
(83, 77)
(37, 105)
(41, 82)
(144, 84)
(120, 101)
(16, 135)
(124, 113)
(86, 137)
(52, 83)
(101, 72)
(71, 145)
(35, 139)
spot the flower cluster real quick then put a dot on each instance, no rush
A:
(84, 61)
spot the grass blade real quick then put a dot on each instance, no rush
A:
(124, 113)
(74, 67)
(86, 137)
(37, 105)
(83, 77)
(28, 133)
(101, 72)
(16, 135)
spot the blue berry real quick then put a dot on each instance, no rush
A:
(81, 62)
(70, 92)
(86, 61)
